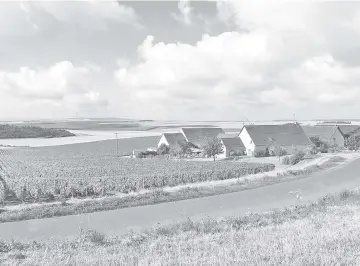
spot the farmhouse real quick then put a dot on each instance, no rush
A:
(259, 138)
(232, 145)
(330, 134)
(171, 139)
(198, 135)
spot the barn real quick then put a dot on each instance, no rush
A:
(198, 135)
(329, 134)
(290, 137)
(232, 145)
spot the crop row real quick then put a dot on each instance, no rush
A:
(29, 176)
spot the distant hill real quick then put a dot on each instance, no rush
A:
(15, 132)
(337, 122)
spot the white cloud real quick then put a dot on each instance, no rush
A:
(62, 87)
(27, 16)
(282, 58)
(186, 12)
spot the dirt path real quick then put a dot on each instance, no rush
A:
(256, 200)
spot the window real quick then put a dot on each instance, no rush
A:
(251, 142)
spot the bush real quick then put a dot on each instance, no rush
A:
(353, 142)
(262, 153)
(311, 150)
(324, 148)
(236, 153)
(297, 157)
(285, 160)
(293, 159)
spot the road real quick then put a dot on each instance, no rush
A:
(255, 200)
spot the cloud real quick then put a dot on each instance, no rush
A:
(186, 12)
(26, 17)
(284, 57)
(61, 87)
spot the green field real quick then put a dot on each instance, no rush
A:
(89, 169)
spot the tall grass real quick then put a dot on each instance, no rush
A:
(322, 233)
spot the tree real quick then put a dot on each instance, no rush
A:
(279, 151)
(163, 149)
(213, 147)
(176, 150)
(316, 140)
(180, 148)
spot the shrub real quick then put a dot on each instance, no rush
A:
(324, 148)
(93, 236)
(262, 153)
(297, 157)
(285, 160)
(353, 142)
(316, 140)
(311, 150)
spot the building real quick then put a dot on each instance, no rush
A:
(198, 135)
(259, 138)
(232, 145)
(347, 130)
(171, 139)
(329, 134)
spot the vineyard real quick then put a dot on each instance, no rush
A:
(42, 174)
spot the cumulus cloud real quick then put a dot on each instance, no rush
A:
(61, 87)
(286, 55)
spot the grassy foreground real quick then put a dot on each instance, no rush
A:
(323, 233)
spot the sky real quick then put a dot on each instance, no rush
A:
(180, 60)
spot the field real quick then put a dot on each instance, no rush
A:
(322, 233)
(95, 169)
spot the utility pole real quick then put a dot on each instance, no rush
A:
(294, 118)
(117, 143)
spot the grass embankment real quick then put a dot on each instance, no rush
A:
(162, 195)
(323, 233)
(14, 132)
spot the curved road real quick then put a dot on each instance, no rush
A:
(256, 200)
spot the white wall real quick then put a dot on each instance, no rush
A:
(248, 143)
(223, 154)
(163, 141)
(339, 139)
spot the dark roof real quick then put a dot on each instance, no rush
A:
(348, 129)
(232, 141)
(174, 138)
(198, 136)
(323, 132)
(283, 135)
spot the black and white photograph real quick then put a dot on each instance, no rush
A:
(180, 132)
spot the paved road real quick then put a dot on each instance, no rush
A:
(257, 200)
